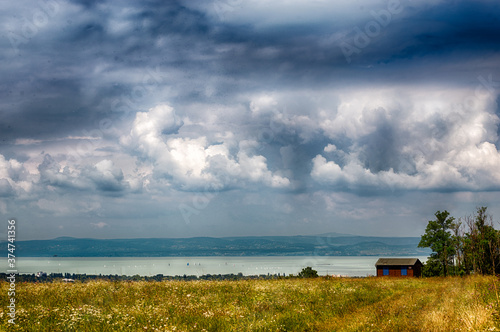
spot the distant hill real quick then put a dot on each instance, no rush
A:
(321, 245)
(333, 234)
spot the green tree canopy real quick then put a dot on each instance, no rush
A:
(308, 272)
(438, 237)
(481, 244)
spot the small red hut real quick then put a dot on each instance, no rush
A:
(399, 267)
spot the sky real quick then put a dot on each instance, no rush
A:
(126, 119)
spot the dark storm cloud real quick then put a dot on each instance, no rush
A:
(50, 83)
(47, 107)
(60, 71)
(380, 150)
(312, 53)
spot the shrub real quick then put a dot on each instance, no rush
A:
(308, 272)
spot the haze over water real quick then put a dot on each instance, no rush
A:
(170, 266)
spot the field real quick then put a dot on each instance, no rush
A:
(321, 304)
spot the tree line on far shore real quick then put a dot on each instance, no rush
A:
(307, 272)
(459, 247)
(52, 277)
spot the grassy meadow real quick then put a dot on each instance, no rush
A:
(321, 304)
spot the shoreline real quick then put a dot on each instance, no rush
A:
(54, 277)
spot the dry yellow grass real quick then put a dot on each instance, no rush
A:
(370, 304)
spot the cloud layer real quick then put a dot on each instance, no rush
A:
(190, 118)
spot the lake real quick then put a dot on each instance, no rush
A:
(361, 266)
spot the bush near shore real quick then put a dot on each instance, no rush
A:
(289, 304)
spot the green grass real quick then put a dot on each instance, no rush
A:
(321, 304)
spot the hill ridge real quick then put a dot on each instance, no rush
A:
(225, 246)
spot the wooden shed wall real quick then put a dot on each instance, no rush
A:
(395, 271)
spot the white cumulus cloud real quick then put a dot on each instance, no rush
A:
(419, 139)
(197, 163)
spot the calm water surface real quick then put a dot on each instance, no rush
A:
(171, 266)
